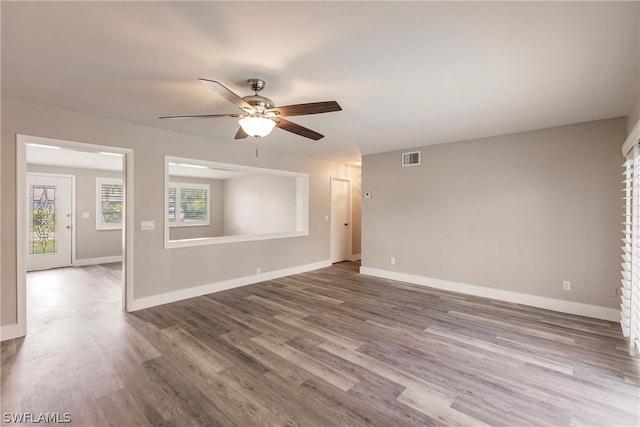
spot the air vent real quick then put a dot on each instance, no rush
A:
(411, 159)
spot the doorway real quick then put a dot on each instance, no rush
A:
(340, 219)
(25, 216)
(50, 200)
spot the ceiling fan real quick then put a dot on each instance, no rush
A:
(259, 115)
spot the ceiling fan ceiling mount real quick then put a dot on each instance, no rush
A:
(259, 108)
(256, 85)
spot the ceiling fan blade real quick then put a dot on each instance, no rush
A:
(228, 94)
(297, 129)
(241, 134)
(309, 108)
(200, 116)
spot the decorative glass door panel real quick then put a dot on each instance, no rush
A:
(43, 220)
(49, 222)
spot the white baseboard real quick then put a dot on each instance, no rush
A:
(9, 332)
(182, 294)
(569, 307)
(94, 261)
(355, 257)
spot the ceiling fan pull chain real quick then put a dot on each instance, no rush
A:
(256, 152)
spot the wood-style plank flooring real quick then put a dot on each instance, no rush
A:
(324, 348)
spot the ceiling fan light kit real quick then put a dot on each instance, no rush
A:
(258, 115)
(257, 126)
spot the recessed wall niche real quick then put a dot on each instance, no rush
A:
(210, 203)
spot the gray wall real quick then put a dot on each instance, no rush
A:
(520, 212)
(157, 270)
(259, 204)
(90, 243)
(216, 217)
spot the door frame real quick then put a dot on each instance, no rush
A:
(73, 209)
(349, 214)
(21, 215)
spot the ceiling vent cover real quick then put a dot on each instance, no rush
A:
(411, 159)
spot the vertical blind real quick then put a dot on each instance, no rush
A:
(630, 289)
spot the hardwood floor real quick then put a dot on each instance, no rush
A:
(324, 348)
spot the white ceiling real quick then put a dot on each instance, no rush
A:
(406, 74)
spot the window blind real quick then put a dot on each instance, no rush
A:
(172, 204)
(630, 289)
(188, 204)
(110, 193)
(194, 202)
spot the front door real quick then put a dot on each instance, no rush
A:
(49, 221)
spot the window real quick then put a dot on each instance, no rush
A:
(109, 194)
(630, 290)
(188, 204)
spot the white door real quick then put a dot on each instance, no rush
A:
(49, 221)
(340, 219)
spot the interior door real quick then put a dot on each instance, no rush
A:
(49, 221)
(340, 219)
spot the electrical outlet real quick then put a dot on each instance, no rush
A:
(393, 260)
(258, 270)
(566, 285)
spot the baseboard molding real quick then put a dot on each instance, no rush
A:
(9, 332)
(355, 257)
(94, 261)
(182, 294)
(562, 306)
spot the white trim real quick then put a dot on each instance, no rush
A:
(569, 307)
(205, 241)
(128, 230)
(21, 238)
(631, 140)
(127, 234)
(96, 261)
(355, 257)
(9, 332)
(182, 294)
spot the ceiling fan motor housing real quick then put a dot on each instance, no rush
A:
(259, 103)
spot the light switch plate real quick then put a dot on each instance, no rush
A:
(147, 225)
